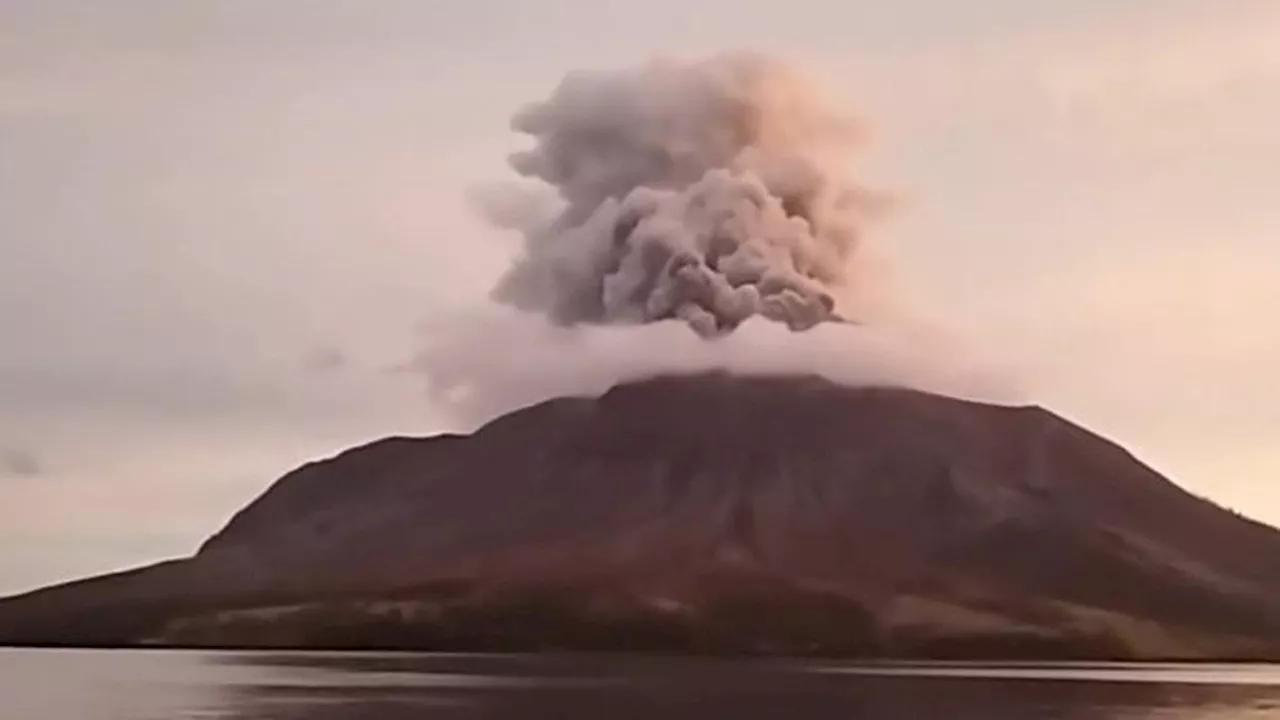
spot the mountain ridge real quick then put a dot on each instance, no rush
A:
(716, 513)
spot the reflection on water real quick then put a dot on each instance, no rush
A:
(128, 685)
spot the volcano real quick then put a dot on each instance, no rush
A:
(720, 514)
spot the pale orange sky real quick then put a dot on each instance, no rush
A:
(220, 223)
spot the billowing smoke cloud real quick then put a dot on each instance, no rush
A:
(709, 195)
(709, 192)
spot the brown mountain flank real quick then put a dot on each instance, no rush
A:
(713, 513)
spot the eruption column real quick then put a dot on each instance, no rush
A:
(710, 192)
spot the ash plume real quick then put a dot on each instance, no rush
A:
(709, 195)
(708, 191)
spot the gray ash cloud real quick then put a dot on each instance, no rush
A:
(709, 191)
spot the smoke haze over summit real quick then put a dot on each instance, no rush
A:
(483, 364)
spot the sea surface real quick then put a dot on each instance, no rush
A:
(167, 685)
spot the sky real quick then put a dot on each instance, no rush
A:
(223, 223)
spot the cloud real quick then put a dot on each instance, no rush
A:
(20, 462)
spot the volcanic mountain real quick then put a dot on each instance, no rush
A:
(713, 513)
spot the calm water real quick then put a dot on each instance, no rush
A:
(128, 685)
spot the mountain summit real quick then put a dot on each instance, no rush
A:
(713, 513)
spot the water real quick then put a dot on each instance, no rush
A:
(163, 685)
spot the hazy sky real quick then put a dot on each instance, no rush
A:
(222, 221)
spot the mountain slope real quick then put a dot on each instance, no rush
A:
(715, 513)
